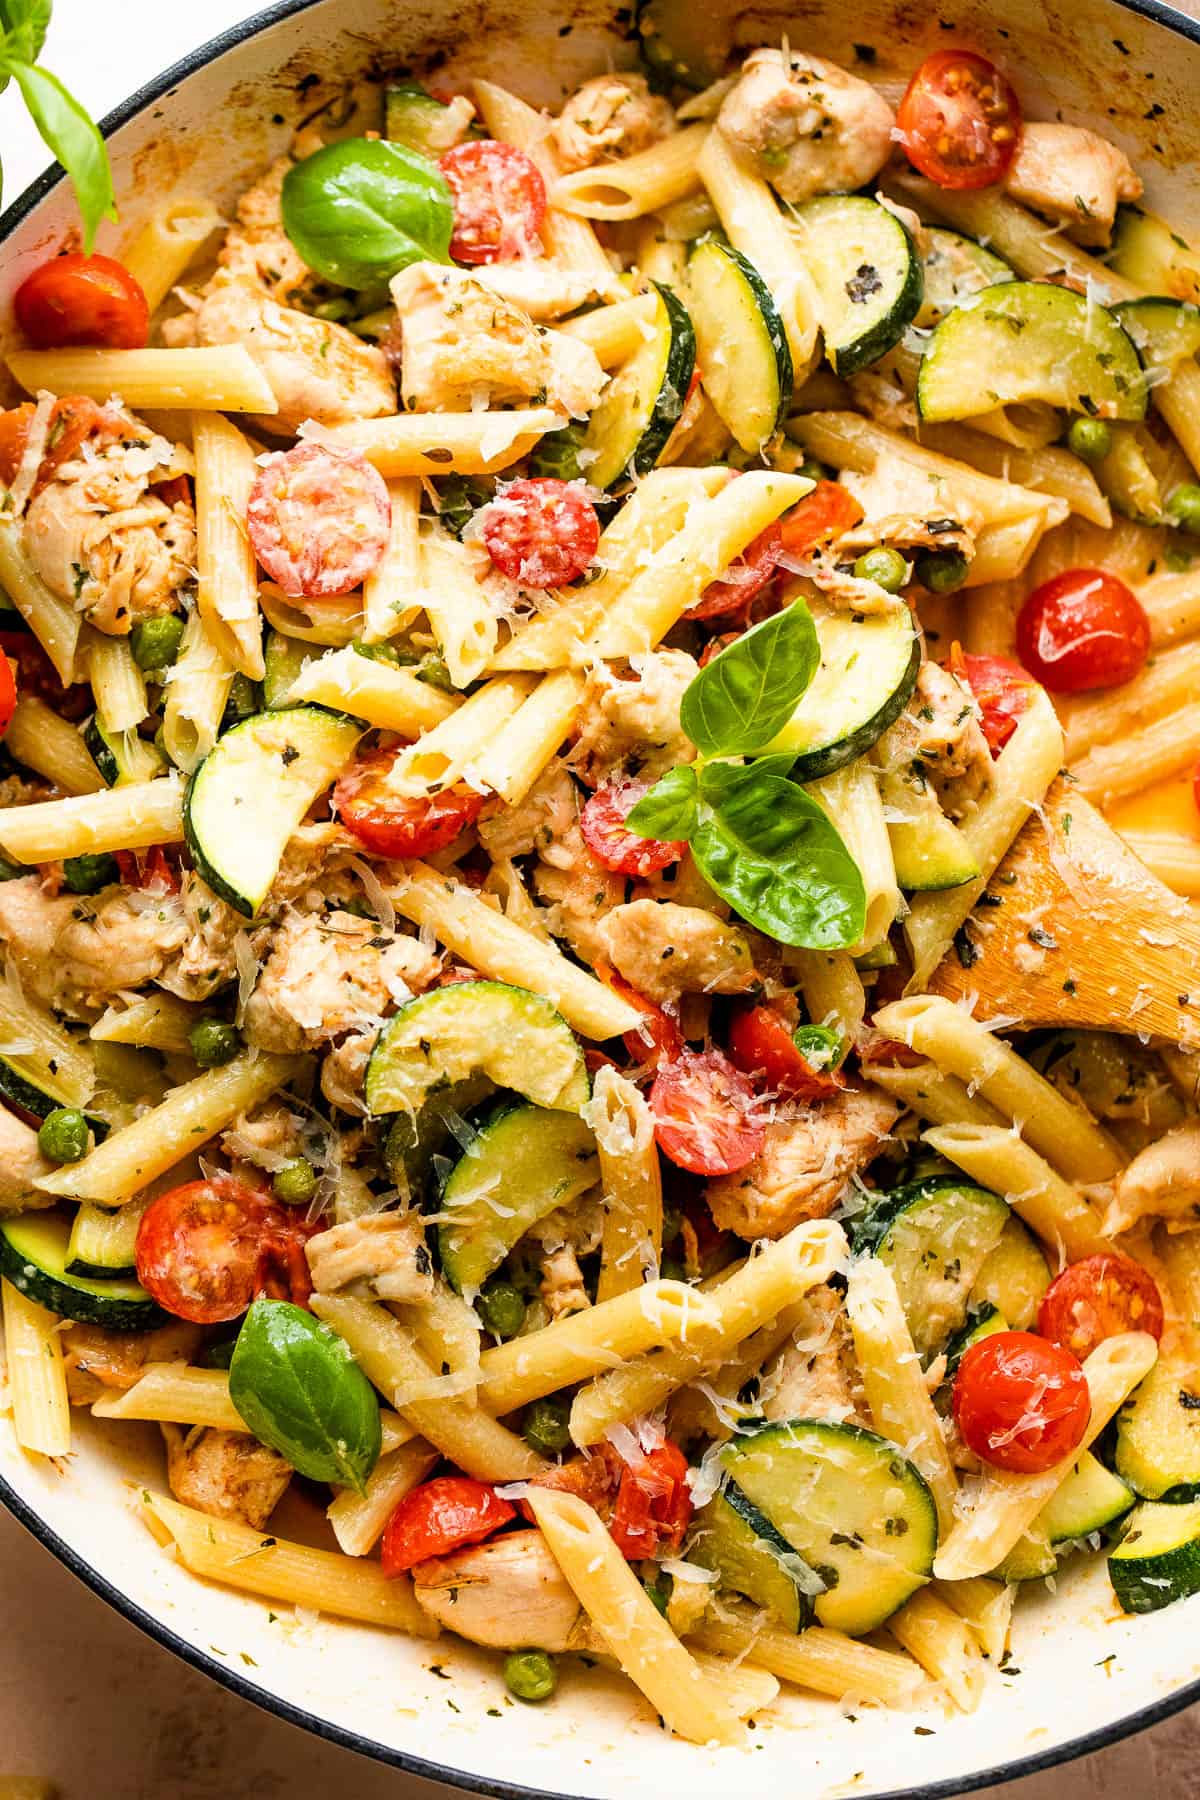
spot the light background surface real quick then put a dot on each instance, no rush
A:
(84, 1698)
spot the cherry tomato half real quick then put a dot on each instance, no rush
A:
(760, 1043)
(541, 532)
(743, 580)
(658, 1036)
(959, 120)
(602, 823)
(204, 1250)
(440, 1516)
(1001, 689)
(654, 1504)
(72, 419)
(499, 201)
(8, 694)
(391, 824)
(1099, 1298)
(80, 299)
(318, 519)
(705, 1117)
(1021, 1403)
(1083, 629)
(825, 513)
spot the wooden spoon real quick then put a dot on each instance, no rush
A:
(1074, 930)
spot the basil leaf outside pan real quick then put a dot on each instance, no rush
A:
(773, 853)
(748, 693)
(360, 210)
(69, 133)
(299, 1390)
(668, 811)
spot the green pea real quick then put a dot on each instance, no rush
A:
(155, 642)
(544, 1427)
(502, 1309)
(1090, 439)
(294, 1182)
(812, 470)
(214, 1042)
(63, 1137)
(530, 1675)
(941, 571)
(89, 873)
(820, 1047)
(886, 568)
(1184, 508)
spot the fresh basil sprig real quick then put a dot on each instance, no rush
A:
(299, 1390)
(670, 810)
(361, 210)
(65, 128)
(748, 693)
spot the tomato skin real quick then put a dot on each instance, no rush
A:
(78, 299)
(960, 120)
(825, 513)
(8, 694)
(761, 1044)
(541, 531)
(1021, 1402)
(659, 1036)
(705, 1115)
(150, 870)
(744, 579)
(205, 1249)
(499, 201)
(1098, 1298)
(654, 1504)
(1001, 690)
(439, 1516)
(1081, 630)
(391, 824)
(73, 418)
(1196, 787)
(37, 675)
(318, 519)
(602, 822)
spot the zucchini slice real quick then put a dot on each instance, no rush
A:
(122, 757)
(1030, 1559)
(524, 1163)
(103, 1244)
(414, 1139)
(981, 1322)
(1090, 1499)
(955, 268)
(935, 1236)
(33, 1256)
(412, 117)
(1158, 1434)
(928, 849)
(516, 1038)
(1158, 1560)
(1147, 250)
(867, 671)
(1014, 1276)
(1029, 340)
(853, 1506)
(741, 342)
(867, 274)
(744, 1549)
(50, 1069)
(628, 431)
(253, 789)
(283, 659)
(1164, 332)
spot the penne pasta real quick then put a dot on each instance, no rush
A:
(390, 697)
(118, 685)
(197, 689)
(153, 1021)
(455, 749)
(566, 239)
(457, 606)
(357, 1520)
(1000, 1160)
(826, 1662)
(46, 743)
(1156, 750)
(227, 595)
(392, 591)
(851, 798)
(53, 623)
(623, 1124)
(638, 184)
(124, 818)
(531, 738)
(937, 1637)
(37, 1380)
(168, 243)
(217, 378)
(441, 443)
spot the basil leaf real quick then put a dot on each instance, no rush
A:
(299, 1390)
(66, 130)
(360, 210)
(668, 811)
(720, 778)
(749, 692)
(24, 23)
(773, 853)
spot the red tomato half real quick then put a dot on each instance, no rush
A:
(72, 419)
(1001, 690)
(318, 519)
(743, 580)
(659, 1036)
(204, 1250)
(825, 513)
(959, 120)
(152, 871)
(704, 1113)
(760, 1043)
(440, 1516)
(541, 532)
(79, 299)
(8, 694)
(1099, 1298)
(1083, 629)
(602, 823)
(654, 1504)
(391, 824)
(1021, 1403)
(499, 201)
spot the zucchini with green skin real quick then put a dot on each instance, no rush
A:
(122, 756)
(851, 1504)
(252, 790)
(628, 430)
(414, 1139)
(935, 1236)
(867, 274)
(928, 849)
(1164, 332)
(103, 1243)
(743, 1548)
(1014, 1276)
(1148, 251)
(1158, 1434)
(740, 341)
(1158, 1560)
(523, 1163)
(283, 659)
(955, 267)
(33, 1256)
(981, 1322)
(1089, 1500)
(868, 669)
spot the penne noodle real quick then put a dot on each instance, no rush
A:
(48, 744)
(441, 443)
(217, 378)
(125, 818)
(392, 591)
(169, 241)
(1050, 1206)
(382, 694)
(631, 1249)
(37, 1379)
(635, 185)
(227, 595)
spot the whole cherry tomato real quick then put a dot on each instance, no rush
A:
(1021, 1403)
(78, 299)
(1083, 629)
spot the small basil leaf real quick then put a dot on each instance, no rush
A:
(360, 210)
(668, 811)
(748, 693)
(299, 1390)
(67, 130)
(773, 853)
(717, 779)
(25, 22)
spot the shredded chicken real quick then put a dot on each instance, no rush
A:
(562, 1290)
(610, 116)
(344, 1068)
(545, 817)
(76, 949)
(21, 1163)
(1072, 176)
(327, 974)
(507, 1594)
(809, 127)
(665, 950)
(816, 1376)
(938, 738)
(99, 1361)
(227, 1474)
(804, 1167)
(258, 249)
(573, 887)
(381, 1257)
(1162, 1182)
(629, 723)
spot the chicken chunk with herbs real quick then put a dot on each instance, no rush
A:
(665, 950)
(807, 126)
(804, 1167)
(327, 974)
(1072, 176)
(610, 116)
(380, 1257)
(507, 1594)
(227, 1474)
(628, 723)
(75, 949)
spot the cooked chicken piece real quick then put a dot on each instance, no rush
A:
(228, 1474)
(938, 738)
(562, 1289)
(327, 974)
(545, 817)
(809, 127)
(816, 1376)
(381, 1257)
(664, 950)
(881, 394)
(543, 289)
(804, 1167)
(629, 724)
(75, 949)
(463, 346)
(1072, 176)
(258, 249)
(910, 509)
(273, 1136)
(21, 1162)
(577, 892)
(610, 116)
(1163, 1182)
(315, 369)
(508, 1594)
(344, 1069)
(98, 1361)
